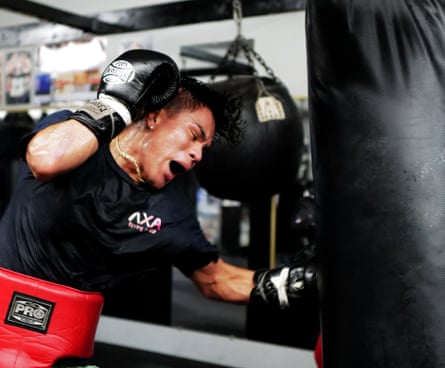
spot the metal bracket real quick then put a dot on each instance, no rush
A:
(65, 26)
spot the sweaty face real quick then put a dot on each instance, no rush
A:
(176, 144)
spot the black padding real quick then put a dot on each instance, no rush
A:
(376, 97)
(269, 155)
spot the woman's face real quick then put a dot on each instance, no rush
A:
(175, 144)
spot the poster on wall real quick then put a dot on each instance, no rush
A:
(70, 72)
(18, 77)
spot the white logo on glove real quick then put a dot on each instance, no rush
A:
(118, 72)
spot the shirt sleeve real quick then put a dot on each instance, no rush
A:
(54, 118)
(191, 261)
(198, 253)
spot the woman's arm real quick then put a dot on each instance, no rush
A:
(222, 281)
(59, 148)
(280, 286)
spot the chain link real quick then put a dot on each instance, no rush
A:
(237, 15)
(241, 44)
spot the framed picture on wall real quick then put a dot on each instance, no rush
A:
(18, 70)
(70, 72)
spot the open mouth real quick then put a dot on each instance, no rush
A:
(176, 168)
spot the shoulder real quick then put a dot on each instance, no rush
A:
(48, 120)
(53, 118)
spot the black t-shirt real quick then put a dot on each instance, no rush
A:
(94, 227)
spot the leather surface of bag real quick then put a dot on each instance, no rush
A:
(269, 155)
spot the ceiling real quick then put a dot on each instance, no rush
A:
(25, 22)
(10, 18)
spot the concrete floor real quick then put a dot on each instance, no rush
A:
(190, 311)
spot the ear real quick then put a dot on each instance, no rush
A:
(150, 119)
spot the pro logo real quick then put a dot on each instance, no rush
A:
(29, 312)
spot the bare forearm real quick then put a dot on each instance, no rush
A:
(223, 281)
(59, 148)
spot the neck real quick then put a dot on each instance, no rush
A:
(129, 158)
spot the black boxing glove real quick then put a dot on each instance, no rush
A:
(133, 84)
(283, 285)
(103, 119)
(303, 218)
(143, 80)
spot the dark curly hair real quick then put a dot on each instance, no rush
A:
(226, 108)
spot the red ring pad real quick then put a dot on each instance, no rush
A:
(42, 322)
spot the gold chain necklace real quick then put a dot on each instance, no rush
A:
(131, 159)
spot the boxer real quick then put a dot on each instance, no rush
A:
(100, 203)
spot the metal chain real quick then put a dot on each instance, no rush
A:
(240, 43)
(233, 50)
(262, 63)
(237, 15)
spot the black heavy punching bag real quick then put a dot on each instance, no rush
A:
(269, 155)
(377, 105)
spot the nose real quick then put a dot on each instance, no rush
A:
(196, 153)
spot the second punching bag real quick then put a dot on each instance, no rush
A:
(377, 107)
(269, 155)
